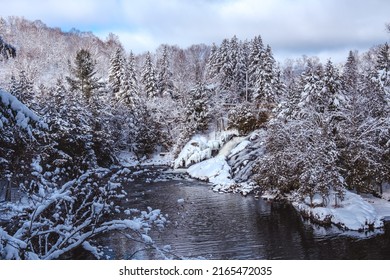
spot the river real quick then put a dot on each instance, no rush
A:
(205, 224)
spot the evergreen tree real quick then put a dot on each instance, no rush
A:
(256, 54)
(383, 71)
(147, 131)
(197, 112)
(267, 84)
(84, 74)
(224, 65)
(22, 88)
(211, 67)
(115, 71)
(6, 50)
(148, 78)
(333, 94)
(129, 90)
(165, 83)
(350, 75)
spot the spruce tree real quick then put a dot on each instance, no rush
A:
(197, 112)
(84, 74)
(115, 71)
(22, 88)
(165, 83)
(148, 78)
(129, 89)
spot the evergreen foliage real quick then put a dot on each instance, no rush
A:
(84, 74)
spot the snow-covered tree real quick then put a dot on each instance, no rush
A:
(6, 50)
(197, 112)
(59, 220)
(115, 72)
(164, 79)
(350, 76)
(148, 78)
(129, 90)
(246, 118)
(147, 131)
(302, 156)
(22, 88)
(84, 74)
(267, 83)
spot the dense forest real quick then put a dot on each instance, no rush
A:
(70, 103)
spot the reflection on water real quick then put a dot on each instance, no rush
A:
(226, 226)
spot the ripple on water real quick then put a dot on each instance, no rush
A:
(227, 226)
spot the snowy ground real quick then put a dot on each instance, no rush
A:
(353, 213)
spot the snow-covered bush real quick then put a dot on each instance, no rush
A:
(55, 221)
(246, 119)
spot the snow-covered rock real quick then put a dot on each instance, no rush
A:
(199, 148)
(214, 170)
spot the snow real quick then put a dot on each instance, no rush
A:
(201, 147)
(196, 150)
(24, 116)
(240, 147)
(353, 213)
(35, 165)
(215, 170)
(228, 147)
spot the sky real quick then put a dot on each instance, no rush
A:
(326, 28)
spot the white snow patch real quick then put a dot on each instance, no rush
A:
(201, 147)
(24, 115)
(127, 159)
(353, 213)
(215, 170)
(241, 146)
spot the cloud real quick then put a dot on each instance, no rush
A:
(296, 27)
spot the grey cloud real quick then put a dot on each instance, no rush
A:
(300, 26)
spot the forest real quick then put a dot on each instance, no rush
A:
(71, 104)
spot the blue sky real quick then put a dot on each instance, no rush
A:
(328, 29)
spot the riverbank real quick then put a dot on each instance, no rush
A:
(207, 159)
(355, 212)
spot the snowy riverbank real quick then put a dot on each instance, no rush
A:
(355, 212)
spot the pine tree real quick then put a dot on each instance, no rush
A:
(22, 88)
(333, 94)
(267, 84)
(6, 50)
(148, 78)
(239, 61)
(224, 65)
(197, 112)
(115, 72)
(129, 90)
(84, 74)
(147, 131)
(383, 69)
(256, 54)
(350, 75)
(212, 69)
(165, 83)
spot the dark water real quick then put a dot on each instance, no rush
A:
(229, 226)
